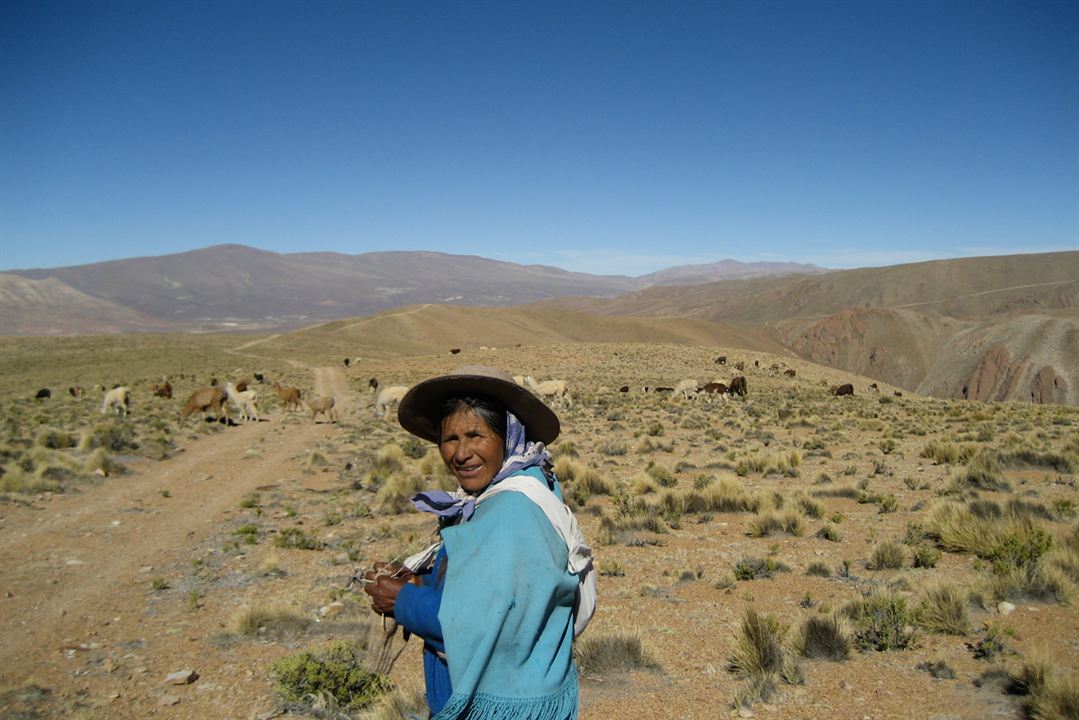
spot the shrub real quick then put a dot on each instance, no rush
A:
(946, 453)
(811, 508)
(662, 475)
(611, 569)
(395, 491)
(758, 649)
(1052, 695)
(842, 492)
(823, 637)
(992, 644)
(390, 460)
(296, 538)
(115, 436)
(729, 496)
(751, 568)
(925, 557)
(944, 610)
(415, 448)
(53, 439)
(830, 532)
(888, 555)
(818, 569)
(768, 524)
(983, 472)
(619, 652)
(881, 621)
(335, 670)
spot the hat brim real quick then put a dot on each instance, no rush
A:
(420, 407)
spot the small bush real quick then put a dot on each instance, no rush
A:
(830, 532)
(992, 644)
(881, 621)
(296, 538)
(944, 610)
(114, 436)
(888, 555)
(818, 569)
(620, 652)
(925, 557)
(1052, 694)
(823, 637)
(611, 568)
(751, 568)
(729, 496)
(396, 489)
(946, 453)
(758, 649)
(983, 472)
(768, 524)
(54, 439)
(335, 670)
(662, 476)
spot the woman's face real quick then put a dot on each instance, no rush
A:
(471, 450)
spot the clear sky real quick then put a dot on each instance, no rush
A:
(607, 137)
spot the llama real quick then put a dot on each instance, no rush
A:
(118, 399)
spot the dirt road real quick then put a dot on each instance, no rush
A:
(81, 568)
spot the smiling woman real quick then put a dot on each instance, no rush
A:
(496, 600)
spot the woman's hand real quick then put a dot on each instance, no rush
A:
(383, 590)
(383, 584)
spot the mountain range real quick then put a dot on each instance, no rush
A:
(239, 287)
(990, 328)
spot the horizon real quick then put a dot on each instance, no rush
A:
(707, 262)
(613, 139)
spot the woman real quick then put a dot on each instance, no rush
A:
(494, 601)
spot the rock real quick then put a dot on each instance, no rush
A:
(181, 677)
(167, 700)
(1005, 608)
(745, 713)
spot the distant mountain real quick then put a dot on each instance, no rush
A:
(234, 285)
(50, 307)
(726, 270)
(238, 287)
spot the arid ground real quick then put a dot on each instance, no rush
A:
(137, 547)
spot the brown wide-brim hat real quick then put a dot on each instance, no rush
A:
(419, 409)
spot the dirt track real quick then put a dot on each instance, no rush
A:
(79, 569)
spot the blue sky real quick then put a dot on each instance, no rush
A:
(606, 137)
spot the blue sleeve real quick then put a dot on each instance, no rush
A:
(416, 608)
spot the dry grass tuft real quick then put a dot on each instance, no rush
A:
(887, 555)
(268, 622)
(823, 637)
(767, 524)
(618, 652)
(944, 610)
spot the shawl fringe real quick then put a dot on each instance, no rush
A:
(482, 706)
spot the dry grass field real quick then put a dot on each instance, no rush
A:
(788, 554)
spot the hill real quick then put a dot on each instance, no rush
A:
(966, 287)
(436, 329)
(920, 326)
(51, 307)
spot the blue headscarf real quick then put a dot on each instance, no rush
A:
(520, 454)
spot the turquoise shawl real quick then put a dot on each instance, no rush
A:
(507, 615)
